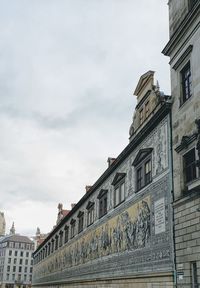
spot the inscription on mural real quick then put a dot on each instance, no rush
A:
(160, 216)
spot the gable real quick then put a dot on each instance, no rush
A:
(142, 154)
(101, 193)
(89, 205)
(118, 177)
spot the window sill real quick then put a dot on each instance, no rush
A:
(183, 104)
(193, 185)
(119, 204)
(138, 190)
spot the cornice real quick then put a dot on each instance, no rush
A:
(182, 29)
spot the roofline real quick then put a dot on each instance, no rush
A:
(181, 30)
(156, 118)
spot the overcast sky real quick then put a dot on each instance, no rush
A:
(68, 69)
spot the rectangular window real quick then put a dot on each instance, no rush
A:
(90, 215)
(73, 223)
(190, 166)
(147, 109)
(61, 239)
(148, 172)
(186, 82)
(119, 193)
(194, 277)
(66, 234)
(14, 268)
(20, 261)
(141, 116)
(21, 254)
(20, 268)
(103, 205)
(56, 242)
(10, 252)
(139, 178)
(16, 253)
(27, 254)
(80, 222)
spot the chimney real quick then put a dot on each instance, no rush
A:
(110, 161)
(87, 188)
(72, 205)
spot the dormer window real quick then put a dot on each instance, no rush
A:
(103, 202)
(141, 116)
(143, 168)
(147, 109)
(119, 188)
(80, 221)
(73, 224)
(66, 233)
(90, 213)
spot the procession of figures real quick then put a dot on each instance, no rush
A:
(128, 233)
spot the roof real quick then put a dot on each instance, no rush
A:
(16, 238)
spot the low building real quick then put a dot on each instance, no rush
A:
(16, 261)
(120, 232)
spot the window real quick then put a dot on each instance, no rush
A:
(147, 109)
(139, 178)
(16, 253)
(186, 82)
(27, 254)
(52, 245)
(26, 262)
(10, 252)
(66, 233)
(21, 254)
(102, 202)
(14, 268)
(141, 116)
(147, 174)
(119, 188)
(80, 221)
(56, 242)
(8, 268)
(73, 224)
(20, 261)
(194, 277)
(189, 166)
(61, 238)
(143, 168)
(90, 213)
(15, 260)
(9, 260)
(25, 269)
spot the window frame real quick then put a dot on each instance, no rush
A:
(189, 167)
(118, 189)
(80, 221)
(186, 90)
(73, 225)
(103, 202)
(143, 157)
(90, 213)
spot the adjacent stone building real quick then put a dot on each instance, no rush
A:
(120, 232)
(184, 51)
(16, 260)
(2, 224)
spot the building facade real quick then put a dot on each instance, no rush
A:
(183, 49)
(16, 261)
(120, 232)
(2, 224)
